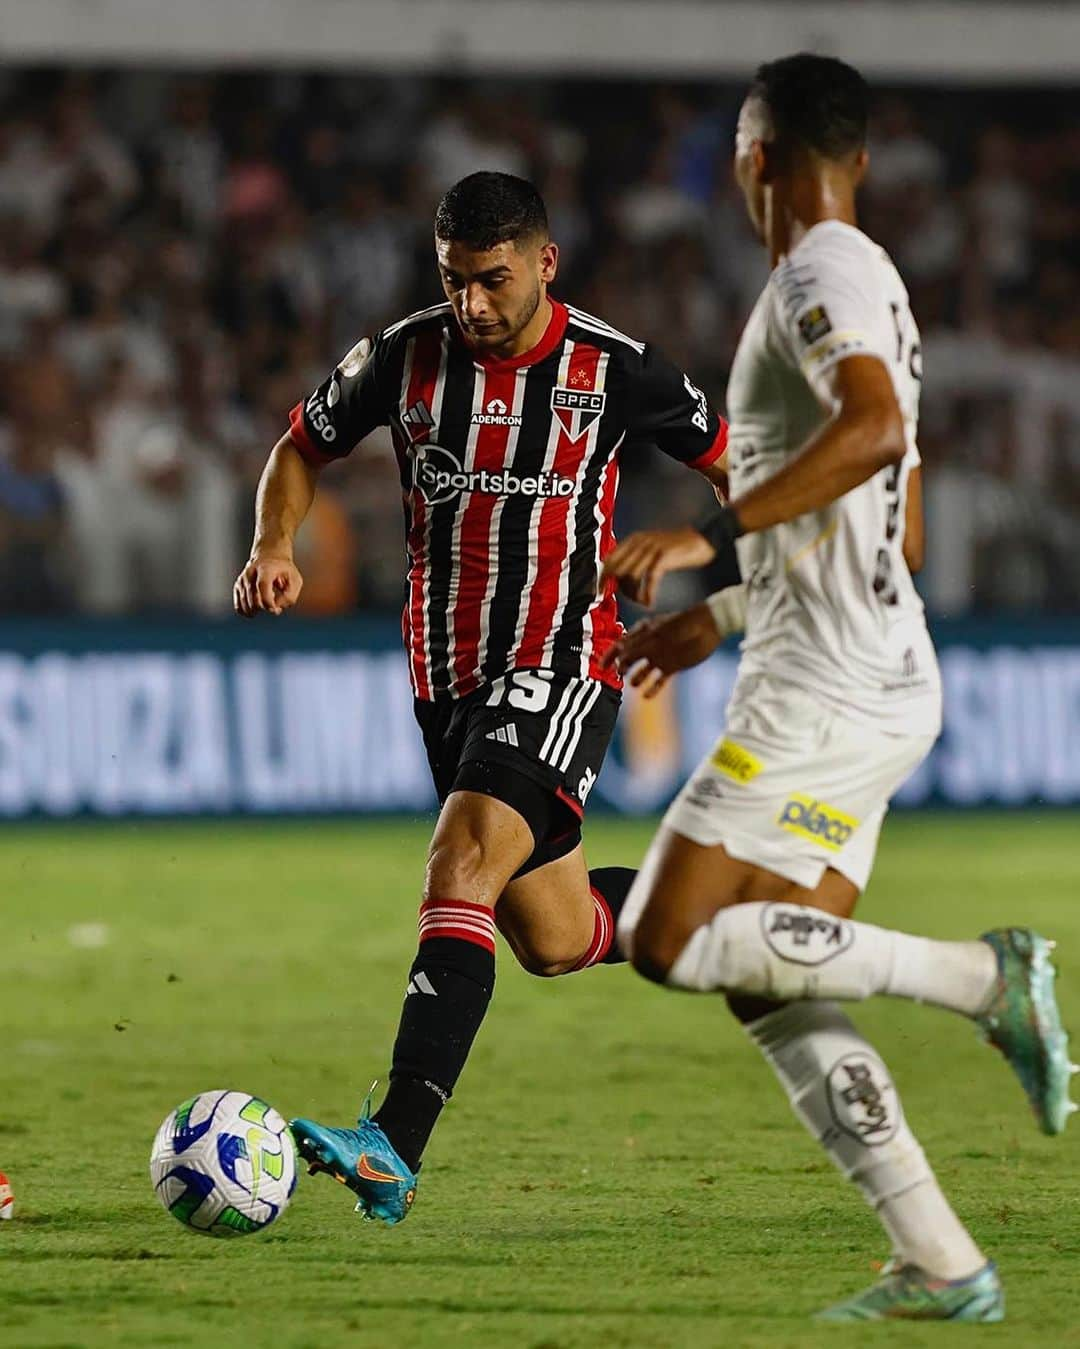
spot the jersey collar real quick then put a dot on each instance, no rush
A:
(553, 335)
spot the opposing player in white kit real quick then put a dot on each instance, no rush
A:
(748, 886)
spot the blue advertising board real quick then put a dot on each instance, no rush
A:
(118, 719)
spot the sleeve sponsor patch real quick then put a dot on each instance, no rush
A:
(352, 362)
(814, 325)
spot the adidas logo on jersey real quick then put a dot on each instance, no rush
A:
(418, 416)
(505, 735)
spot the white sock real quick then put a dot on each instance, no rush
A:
(788, 951)
(842, 1092)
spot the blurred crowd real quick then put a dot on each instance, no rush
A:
(182, 258)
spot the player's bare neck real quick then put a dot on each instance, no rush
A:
(803, 201)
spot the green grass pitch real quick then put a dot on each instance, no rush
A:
(618, 1168)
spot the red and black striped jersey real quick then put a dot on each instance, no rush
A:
(509, 469)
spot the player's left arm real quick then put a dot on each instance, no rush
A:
(657, 648)
(668, 410)
(717, 474)
(914, 523)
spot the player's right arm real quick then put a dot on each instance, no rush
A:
(334, 419)
(827, 314)
(270, 581)
(864, 435)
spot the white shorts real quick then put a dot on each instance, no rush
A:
(793, 786)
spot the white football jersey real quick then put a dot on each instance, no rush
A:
(831, 603)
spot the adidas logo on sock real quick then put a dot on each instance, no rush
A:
(421, 984)
(505, 735)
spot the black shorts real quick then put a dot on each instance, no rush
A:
(534, 739)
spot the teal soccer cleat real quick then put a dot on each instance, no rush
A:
(364, 1160)
(907, 1293)
(1022, 1020)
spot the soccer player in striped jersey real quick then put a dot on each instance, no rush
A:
(749, 885)
(510, 414)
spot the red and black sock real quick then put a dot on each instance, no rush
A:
(450, 986)
(609, 886)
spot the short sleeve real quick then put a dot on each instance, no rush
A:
(827, 306)
(346, 407)
(670, 412)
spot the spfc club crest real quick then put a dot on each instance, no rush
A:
(577, 409)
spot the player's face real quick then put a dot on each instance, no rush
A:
(497, 292)
(750, 162)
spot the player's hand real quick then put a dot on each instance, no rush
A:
(643, 559)
(656, 648)
(267, 584)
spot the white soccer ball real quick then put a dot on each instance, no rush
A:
(224, 1164)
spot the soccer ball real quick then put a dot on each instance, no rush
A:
(224, 1164)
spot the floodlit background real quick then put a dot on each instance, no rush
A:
(198, 216)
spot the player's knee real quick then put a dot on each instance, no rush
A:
(549, 954)
(653, 952)
(541, 951)
(545, 963)
(656, 942)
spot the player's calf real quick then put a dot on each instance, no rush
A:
(843, 1093)
(479, 842)
(561, 918)
(602, 948)
(785, 951)
(609, 888)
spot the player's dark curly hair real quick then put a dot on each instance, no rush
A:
(488, 208)
(815, 101)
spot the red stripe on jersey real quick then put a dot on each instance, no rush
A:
(715, 450)
(606, 628)
(552, 541)
(423, 376)
(472, 557)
